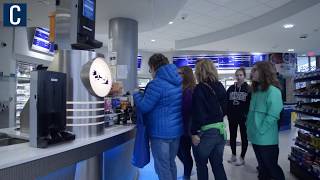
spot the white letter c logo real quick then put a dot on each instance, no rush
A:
(18, 20)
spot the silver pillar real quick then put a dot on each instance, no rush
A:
(124, 35)
(85, 112)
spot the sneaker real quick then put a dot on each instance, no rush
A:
(240, 162)
(232, 159)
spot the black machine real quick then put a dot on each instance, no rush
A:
(48, 109)
(86, 25)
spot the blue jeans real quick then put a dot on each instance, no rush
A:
(164, 152)
(211, 147)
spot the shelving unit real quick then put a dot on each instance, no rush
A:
(305, 154)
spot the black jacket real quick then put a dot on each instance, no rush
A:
(207, 107)
(238, 101)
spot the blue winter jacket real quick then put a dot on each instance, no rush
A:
(161, 104)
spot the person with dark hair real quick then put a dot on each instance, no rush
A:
(161, 106)
(209, 102)
(184, 153)
(262, 127)
(238, 107)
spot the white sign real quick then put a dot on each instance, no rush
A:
(122, 72)
(100, 77)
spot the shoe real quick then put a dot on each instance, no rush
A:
(240, 162)
(232, 159)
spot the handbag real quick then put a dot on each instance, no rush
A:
(141, 151)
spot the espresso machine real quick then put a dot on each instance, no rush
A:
(48, 109)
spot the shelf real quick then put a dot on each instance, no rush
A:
(311, 96)
(300, 171)
(307, 113)
(312, 130)
(310, 76)
(308, 148)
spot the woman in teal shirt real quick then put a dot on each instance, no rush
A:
(262, 127)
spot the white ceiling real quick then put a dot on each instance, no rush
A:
(274, 38)
(214, 25)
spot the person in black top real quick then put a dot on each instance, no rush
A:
(237, 110)
(209, 101)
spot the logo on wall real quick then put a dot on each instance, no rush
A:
(96, 77)
(14, 14)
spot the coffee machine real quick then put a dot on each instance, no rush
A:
(48, 109)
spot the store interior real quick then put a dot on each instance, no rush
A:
(126, 33)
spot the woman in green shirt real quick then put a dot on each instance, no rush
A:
(262, 127)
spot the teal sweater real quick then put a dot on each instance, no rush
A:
(264, 112)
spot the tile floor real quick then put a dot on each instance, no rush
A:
(247, 172)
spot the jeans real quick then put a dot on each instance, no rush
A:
(267, 157)
(184, 154)
(164, 152)
(233, 127)
(211, 147)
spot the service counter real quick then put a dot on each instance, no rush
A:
(64, 161)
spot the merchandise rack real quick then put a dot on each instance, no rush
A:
(308, 114)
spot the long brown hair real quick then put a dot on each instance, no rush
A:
(267, 76)
(188, 80)
(206, 71)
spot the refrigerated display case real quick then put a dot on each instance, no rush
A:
(22, 86)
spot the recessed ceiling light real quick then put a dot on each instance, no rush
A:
(288, 26)
(171, 22)
(290, 50)
(153, 40)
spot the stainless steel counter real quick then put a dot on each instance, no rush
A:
(24, 162)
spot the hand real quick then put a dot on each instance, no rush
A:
(195, 140)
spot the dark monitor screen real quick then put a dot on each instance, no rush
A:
(88, 9)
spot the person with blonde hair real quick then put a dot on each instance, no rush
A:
(209, 103)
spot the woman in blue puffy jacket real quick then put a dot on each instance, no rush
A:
(161, 104)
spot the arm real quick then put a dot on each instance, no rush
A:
(274, 107)
(222, 97)
(198, 110)
(147, 101)
(248, 100)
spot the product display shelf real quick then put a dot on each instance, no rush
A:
(305, 154)
(310, 76)
(301, 171)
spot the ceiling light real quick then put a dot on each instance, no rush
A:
(288, 26)
(290, 50)
(153, 40)
(171, 22)
(256, 53)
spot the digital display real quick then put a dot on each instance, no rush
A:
(88, 9)
(41, 41)
(139, 61)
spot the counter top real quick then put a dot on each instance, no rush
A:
(63, 154)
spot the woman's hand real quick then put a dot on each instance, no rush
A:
(195, 140)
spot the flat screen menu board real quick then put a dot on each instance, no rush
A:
(41, 42)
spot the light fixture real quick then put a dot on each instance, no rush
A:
(171, 22)
(256, 53)
(290, 50)
(288, 26)
(153, 40)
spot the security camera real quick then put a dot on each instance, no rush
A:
(184, 16)
(3, 44)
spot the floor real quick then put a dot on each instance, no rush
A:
(248, 171)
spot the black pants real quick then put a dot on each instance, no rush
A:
(184, 154)
(267, 157)
(234, 122)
